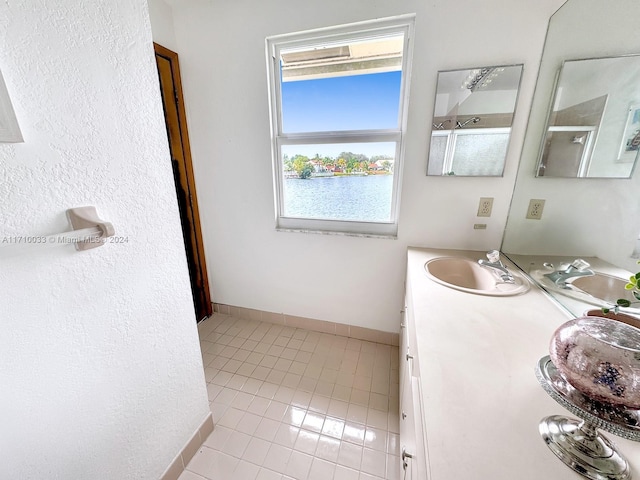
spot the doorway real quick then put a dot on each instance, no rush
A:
(178, 136)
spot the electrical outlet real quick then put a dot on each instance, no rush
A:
(484, 208)
(479, 226)
(536, 206)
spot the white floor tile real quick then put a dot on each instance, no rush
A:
(268, 390)
(306, 442)
(259, 405)
(313, 421)
(276, 410)
(299, 465)
(350, 455)
(333, 427)
(218, 437)
(203, 462)
(286, 435)
(187, 475)
(236, 444)
(321, 469)
(357, 414)
(246, 470)
(328, 448)
(256, 451)
(373, 462)
(243, 400)
(267, 429)
(345, 473)
(375, 439)
(249, 423)
(294, 415)
(290, 404)
(366, 476)
(265, 474)
(277, 458)
(231, 418)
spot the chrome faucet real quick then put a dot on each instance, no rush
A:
(561, 277)
(496, 264)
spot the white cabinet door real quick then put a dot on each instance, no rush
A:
(407, 426)
(413, 464)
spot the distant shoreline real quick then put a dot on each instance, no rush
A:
(294, 176)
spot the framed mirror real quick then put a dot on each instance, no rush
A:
(472, 120)
(593, 128)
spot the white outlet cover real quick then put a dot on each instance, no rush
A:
(534, 213)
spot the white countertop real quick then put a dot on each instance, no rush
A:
(481, 400)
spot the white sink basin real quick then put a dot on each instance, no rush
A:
(468, 276)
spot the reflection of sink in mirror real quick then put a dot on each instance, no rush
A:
(600, 289)
(468, 276)
(604, 287)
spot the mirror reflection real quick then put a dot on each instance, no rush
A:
(595, 219)
(472, 120)
(593, 128)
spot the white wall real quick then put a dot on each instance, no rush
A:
(101, 374)
(582, 217)
(161, 17)
(338, 278)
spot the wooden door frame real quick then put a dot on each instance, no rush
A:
(172, 57)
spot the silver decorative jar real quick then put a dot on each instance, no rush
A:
(600, 358)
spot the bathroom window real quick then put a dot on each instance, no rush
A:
(338, 100)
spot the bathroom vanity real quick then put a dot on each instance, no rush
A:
(470, 403)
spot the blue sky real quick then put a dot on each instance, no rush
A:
(342, 103)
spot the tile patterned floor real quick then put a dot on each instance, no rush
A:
(294, 404)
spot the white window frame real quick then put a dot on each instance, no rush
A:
(365, 30)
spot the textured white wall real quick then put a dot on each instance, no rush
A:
(344, 279)
(101, 375)
(588, 217)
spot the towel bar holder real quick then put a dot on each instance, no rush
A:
(87, 217)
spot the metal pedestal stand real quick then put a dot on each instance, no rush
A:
(578, 443)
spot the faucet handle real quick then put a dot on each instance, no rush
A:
(579, 264)
(493, 256)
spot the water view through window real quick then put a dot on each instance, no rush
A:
(339, 186)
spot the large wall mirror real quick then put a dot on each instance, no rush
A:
(593, 129)
(590, 217)
(472, 120)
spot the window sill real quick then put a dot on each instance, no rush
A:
(346, 234)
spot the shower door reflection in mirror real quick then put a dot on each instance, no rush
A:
(472, 120)
(593, 129)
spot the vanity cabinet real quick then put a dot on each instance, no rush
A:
(413, 464)
(470, 402)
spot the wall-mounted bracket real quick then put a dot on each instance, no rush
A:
(87, 217)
